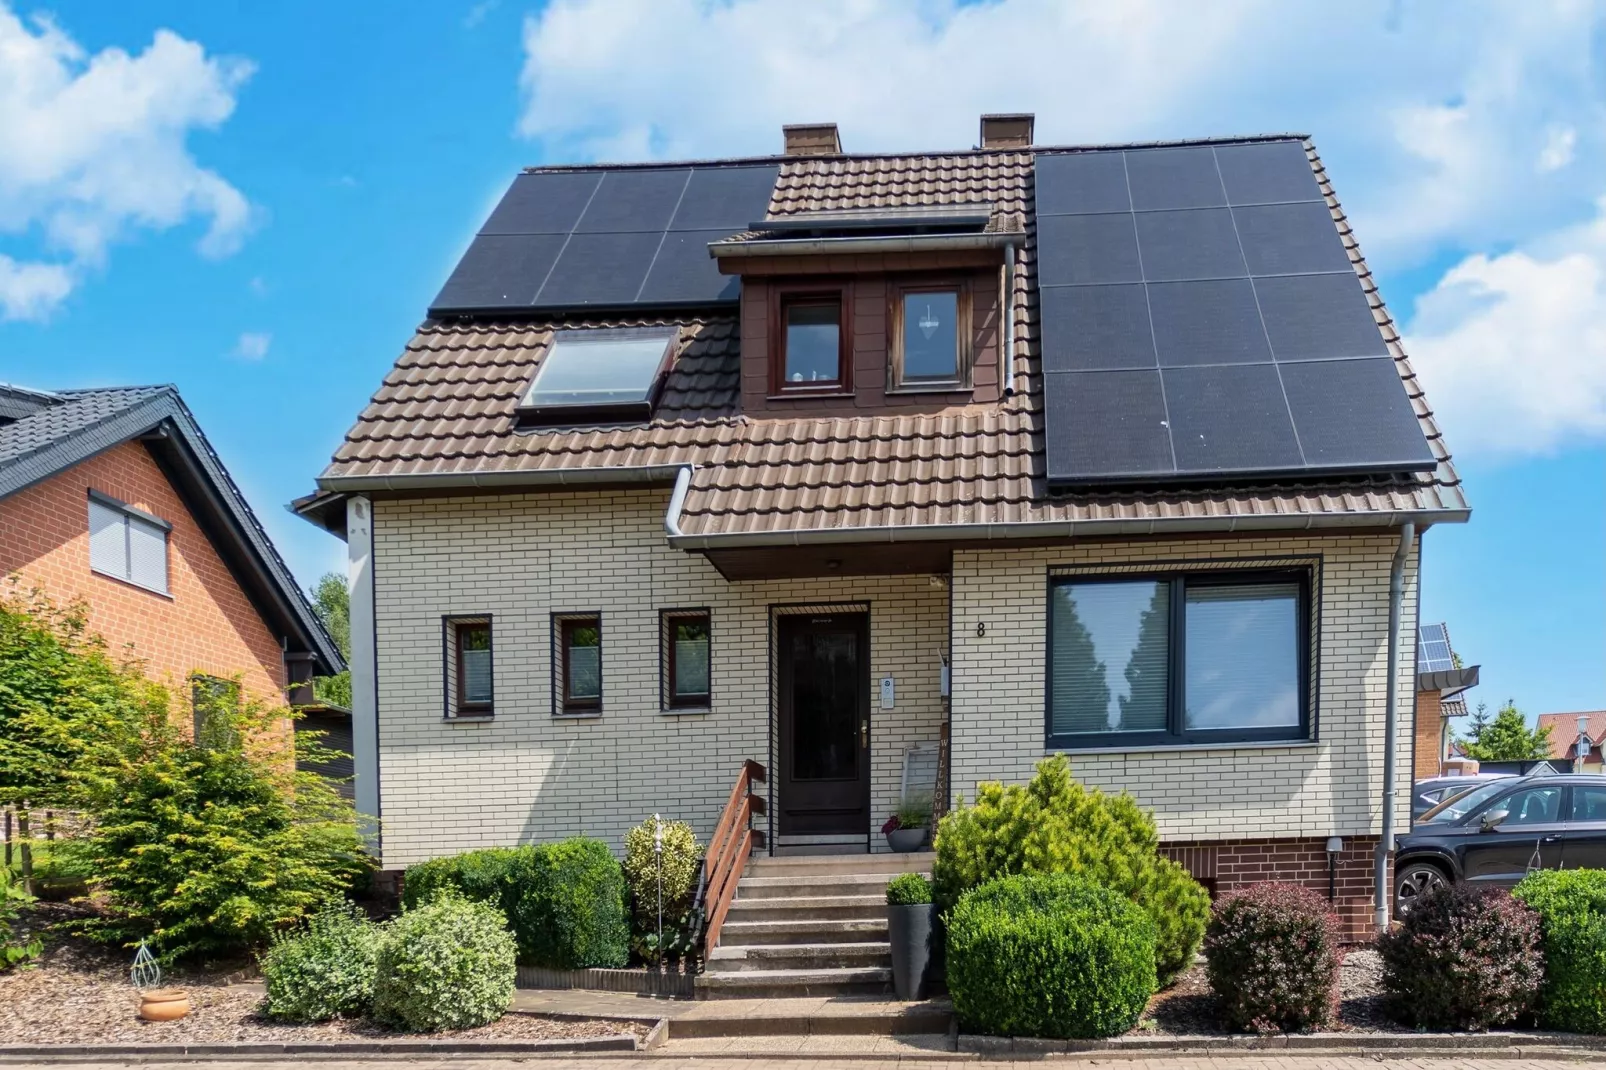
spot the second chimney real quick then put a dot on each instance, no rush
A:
(812, 139)
(1007, 131)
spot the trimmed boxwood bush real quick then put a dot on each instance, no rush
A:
(565, 902)
(1272, 953)
(1049, 955)
(1465, 957)
(323, 971)
(446, 965)
(1054, 825)
(908, 890)
(676, 867)
(1572, 917)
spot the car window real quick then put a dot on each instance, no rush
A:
(1456, 807)
(1431, 795)
(1589, 804)
(1531, 806)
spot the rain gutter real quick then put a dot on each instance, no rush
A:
(901, 243)
(577, 477)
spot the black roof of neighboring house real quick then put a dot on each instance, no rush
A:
(43, 433)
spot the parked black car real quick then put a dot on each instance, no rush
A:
(1426, 794)
(1496, 833)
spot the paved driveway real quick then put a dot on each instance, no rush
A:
(823, 1061)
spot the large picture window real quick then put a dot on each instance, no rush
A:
(1181, 659)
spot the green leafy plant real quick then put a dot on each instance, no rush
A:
(13, 901)
(1465, 957)
(449, 964)
(676, 865)
(907, 890)
(1054, 825)
(1572, 915)
(1505, 738)
(332, 602)
(324, 970)
(1049, 955)
(564, 901)
(1272, 955)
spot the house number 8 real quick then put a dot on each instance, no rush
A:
(981, 628)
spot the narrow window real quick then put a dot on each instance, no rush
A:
(686, 659)
(579, 665)
(475, 676)
(127, 544)
(215, 706)
(930, 331)
(810, 343)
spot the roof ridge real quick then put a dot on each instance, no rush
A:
(48, 395)
(80, 391)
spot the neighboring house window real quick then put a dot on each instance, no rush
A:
(470, 675)
(930, 336)
(1196, 658)
(577, 664)
(686, 662)
(127, 544)
(215, 705)
(810, 336)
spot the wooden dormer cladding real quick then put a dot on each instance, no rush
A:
(868, 284)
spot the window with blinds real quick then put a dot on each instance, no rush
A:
(1182, 659)
(684, 665)
(127, 544)
(577, 665)
(470, 676)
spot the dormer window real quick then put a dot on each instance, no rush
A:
(930, 336)
(811, 352)
(592, 375)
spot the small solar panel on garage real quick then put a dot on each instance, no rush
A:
(1200, 317)
(608, 239)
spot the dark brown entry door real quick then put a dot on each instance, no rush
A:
(823, 675)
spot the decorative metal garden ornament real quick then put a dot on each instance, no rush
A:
(147, 972)
(658, 853)
(156, 1004)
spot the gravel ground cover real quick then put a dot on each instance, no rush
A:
(1188, 1008)
(78, 993)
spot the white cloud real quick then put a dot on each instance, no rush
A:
(1558, 150)
(1512, 348)
(477, 13)
(252, 345)
(93, 147)
(30, 291)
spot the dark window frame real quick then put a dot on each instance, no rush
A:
(964, 332)
(1176, 733)
(454, 702)
(563, 624)
(784, 296)
(669, 701)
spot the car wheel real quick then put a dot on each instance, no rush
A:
(1414, 881)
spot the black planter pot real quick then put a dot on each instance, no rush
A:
(909, 928)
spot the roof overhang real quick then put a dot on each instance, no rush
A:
(504, 480)
(880, 243)
(1448, 682)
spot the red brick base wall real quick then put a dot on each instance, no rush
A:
(1226, 865)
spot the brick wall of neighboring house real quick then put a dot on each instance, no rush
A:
(1231, 864)
(449, 786)
(1429, 735)
(1329, 787)
(207, 624)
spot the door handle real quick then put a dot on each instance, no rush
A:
(864, 733)
(1553, 838)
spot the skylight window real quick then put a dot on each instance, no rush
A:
(599, 374)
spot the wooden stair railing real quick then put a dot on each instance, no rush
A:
(728, 849)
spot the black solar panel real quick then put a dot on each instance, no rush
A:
(620, 238)
(1199, 316)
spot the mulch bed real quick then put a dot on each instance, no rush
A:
(1188, 1008)
(78, 992)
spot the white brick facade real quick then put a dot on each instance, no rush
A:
(450, 786)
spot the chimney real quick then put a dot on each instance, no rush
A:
(812, 139)
(1007, 131)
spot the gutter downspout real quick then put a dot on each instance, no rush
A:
(1385, 845)
(1006, 374)
(677, 501)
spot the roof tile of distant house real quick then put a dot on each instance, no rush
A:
(1564, 730)
(448, 408)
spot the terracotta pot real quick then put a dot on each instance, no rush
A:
(164, 1004)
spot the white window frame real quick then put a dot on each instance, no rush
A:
(133, 523)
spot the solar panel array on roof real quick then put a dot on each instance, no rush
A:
(607, 239)
(1200, 317)
(1433, 649)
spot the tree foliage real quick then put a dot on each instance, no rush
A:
(332, 602)
(1506, 738)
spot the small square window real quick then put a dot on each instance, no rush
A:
(930, 336)
(687, 665)
(577, 664)
(810, 342)
(127, 544)
(470, 668)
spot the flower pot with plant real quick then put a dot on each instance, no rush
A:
(909, 929)
(906, 829)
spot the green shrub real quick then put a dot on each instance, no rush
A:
(1049, 955)
(1272, 958)
(1054, 825)
(1572, 917)
(676, 864)
(1465, 957)
(908, 890)
(325, 970)
(564, 901)
(13, 900)
(445, 965)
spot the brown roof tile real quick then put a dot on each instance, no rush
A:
(448, 407)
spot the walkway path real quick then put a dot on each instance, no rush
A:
(817, 1062)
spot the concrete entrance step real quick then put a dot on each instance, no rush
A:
(811, 907)
(860, 863)
(816, 1016)
(802, 931)
(770, 984)
(729, 958)
(813, 884)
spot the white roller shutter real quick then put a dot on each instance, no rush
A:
(147, 554)
(108, 540)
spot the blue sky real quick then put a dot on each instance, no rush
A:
(257, 202)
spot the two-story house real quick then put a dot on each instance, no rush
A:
(893, 473)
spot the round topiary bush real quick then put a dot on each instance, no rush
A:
(323, 971)
(1572, 917)
(1272, 953)
(1465, 957)
(1049, 955)
(446, 965)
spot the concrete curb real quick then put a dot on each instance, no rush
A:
(74, 1052)
(1482, 1044)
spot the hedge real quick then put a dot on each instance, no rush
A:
(1572, 917)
